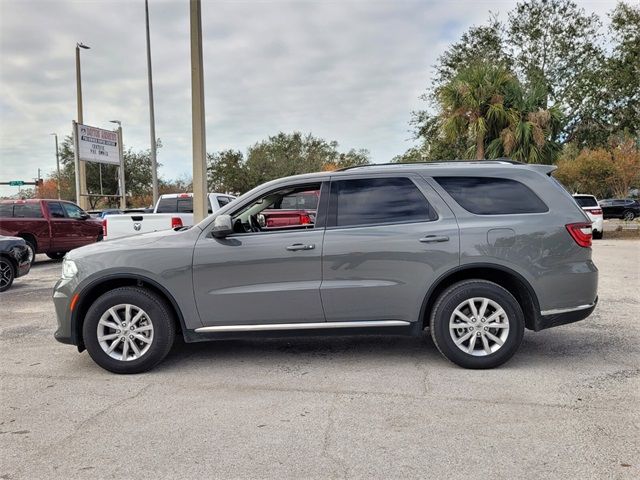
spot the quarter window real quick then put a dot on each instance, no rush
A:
(378, 200)
(492, 196)
(27, 210)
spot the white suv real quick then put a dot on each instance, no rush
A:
(593, 210)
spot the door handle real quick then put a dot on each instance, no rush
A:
(300, 246)
(434, 239)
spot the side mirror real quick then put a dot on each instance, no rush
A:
(84, 216)
(222, 226)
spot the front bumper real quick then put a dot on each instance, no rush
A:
(62, 295)
(555, 319)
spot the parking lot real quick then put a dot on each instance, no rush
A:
(566, 406)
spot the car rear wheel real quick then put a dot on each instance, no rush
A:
(628, 215)
(597, 235)
(56, 255)
(128, 330)
(7, 274)
(477, 324)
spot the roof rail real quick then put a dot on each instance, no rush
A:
(497, 161)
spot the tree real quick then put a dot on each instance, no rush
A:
(588, 173)
(472, 104)
(625, 155)
(226, 172)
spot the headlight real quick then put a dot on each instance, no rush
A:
(69, 269)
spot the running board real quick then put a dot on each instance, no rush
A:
(301, 326)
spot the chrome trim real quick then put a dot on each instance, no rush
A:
(300, 326)
(556, 311)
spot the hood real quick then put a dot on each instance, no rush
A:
(125, 243)
(8, 242)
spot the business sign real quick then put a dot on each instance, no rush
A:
(97, 145)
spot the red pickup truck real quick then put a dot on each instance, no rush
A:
(48, 226)
(298, 209)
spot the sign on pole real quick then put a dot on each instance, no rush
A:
(16, 183)
(97, 145)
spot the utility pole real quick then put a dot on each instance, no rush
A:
(57, 164)
(197, 115)
(81, 171)
(152, 120)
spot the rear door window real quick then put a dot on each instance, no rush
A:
(374, 201)
(6, 210)
(492, 196)
(55, 210)
(27, 210)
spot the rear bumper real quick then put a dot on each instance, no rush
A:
(555, 318)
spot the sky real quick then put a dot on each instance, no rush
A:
(350, 71)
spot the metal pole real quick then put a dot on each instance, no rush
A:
(152, 120)
(123, 192)
(197, 115)
(57, 165)
(80, 165)
(76, 159)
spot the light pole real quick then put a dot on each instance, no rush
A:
(123, 193)
(197, 115)
(81, 174)
(57, 164)
(152, 120)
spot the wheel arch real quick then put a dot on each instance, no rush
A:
(30, 237)
(507, 278)
(105, 284)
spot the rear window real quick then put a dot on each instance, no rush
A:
(492, 196)
(586, 201)
(185, 205)
(168, 205)
(27, 210)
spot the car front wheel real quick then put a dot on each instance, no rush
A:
(128, 330)
(7, 274)
(477, 324)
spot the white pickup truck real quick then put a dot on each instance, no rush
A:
(172, 211)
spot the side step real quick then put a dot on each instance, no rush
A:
(301, 326)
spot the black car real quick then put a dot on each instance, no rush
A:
(14, 260)
(625, 208)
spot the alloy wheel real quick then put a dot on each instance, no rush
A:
(6, 274)
(479, 326)
(125, 332)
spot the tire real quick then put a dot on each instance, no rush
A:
(597, 235)
(56, 255)
(32, 249)
(509, 330)
(7, 274)
(155, 312)
(628, 215)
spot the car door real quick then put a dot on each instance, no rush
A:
(388, 238)
(82, 231)
(260, 277)
(61, 229)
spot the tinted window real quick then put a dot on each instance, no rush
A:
(55, 210)
(378, 200)
(6, 210)
(492, 196)
(27, 210)
(222, 201)
(72, 210)
(586, 201)
(185, 205)
(168, 205)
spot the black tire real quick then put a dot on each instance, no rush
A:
(628, 215)
(159, 315)
(597, 235)
(7, 274)
(56, 255)
(456, 294)
(32, 249)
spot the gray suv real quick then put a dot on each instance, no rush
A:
(475, 252)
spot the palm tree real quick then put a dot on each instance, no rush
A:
(531, 133)
(473, 104)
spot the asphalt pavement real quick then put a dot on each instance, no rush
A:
(566, 406)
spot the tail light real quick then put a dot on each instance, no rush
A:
(104, 227)
(305, 219)
(176, 222)
(581, 233)
(595, 211)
